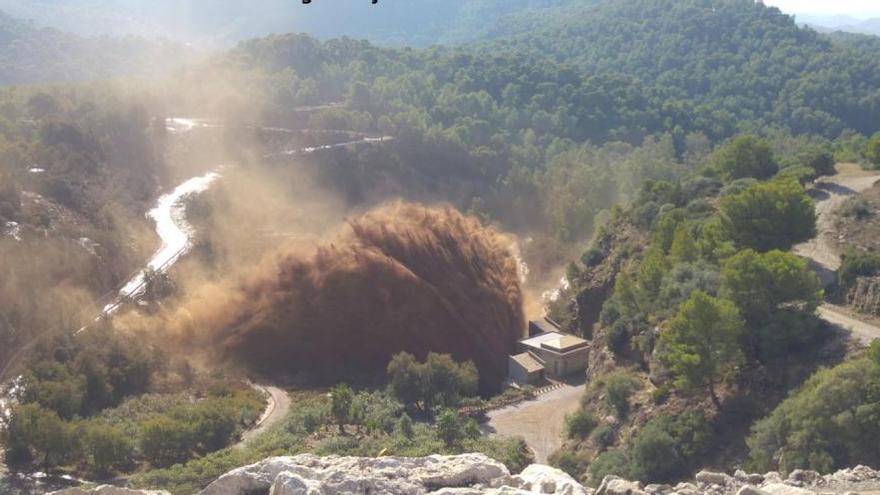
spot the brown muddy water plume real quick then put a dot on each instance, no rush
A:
(402, 277)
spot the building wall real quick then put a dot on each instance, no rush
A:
(564, 365)
(519, 374)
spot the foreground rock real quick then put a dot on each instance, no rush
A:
(107, 490)
(476, 474)
(441, 475)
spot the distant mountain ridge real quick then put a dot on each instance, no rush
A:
(31, 54)
(844, 24)
(220, 23)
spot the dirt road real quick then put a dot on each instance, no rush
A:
(863, 331)
(276, 409)
(538, 421)
(829, 194)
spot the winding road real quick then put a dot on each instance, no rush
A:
(829, 194)
(276, 409)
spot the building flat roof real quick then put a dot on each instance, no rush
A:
(528, 362)
(555, 341)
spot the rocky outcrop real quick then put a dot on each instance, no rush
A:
(865, 295)
(476, 474)
(439, 475)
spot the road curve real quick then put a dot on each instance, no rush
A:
(829, 194)
(840, 317)
(276, 409)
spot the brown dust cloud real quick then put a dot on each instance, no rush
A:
(400, 277)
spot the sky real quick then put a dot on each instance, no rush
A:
(860, 9)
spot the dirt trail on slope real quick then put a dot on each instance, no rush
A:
(829, 194)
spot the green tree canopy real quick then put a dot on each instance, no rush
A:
(439, 381)
(770, 215)
(341, 399)
(36, 433)
(580, 424)
(106, 448)
(745, 156)
(701, 343)
(450, 428)
(831, 422)
(405, 378)
(761, 283)
(165, 441)
(684, 248)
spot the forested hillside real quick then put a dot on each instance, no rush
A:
(29, 54)
(499, 128)
(78, 170)
(717, 66)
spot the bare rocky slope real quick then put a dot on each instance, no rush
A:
(476, 474)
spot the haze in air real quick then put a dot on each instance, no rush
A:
(544, 246)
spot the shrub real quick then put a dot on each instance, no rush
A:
(404, 427)
(618, 337)
(619, 387)
(450, 428)
(164, 441)
(685, 278)
(857, 208)
(874, 351)
(609, 314)
(106, 449)
(745, 156)
(668, 446)
(786, 332)
(819, 158)
(832, 421)
(854, 264)
(580, 424)
(603, 437)
(700, 187)
(569, 462)
(592, 257)
(800, 173)
(738, 186)
(654, 456)
(660, 394)
(613, 462)
(872, 149)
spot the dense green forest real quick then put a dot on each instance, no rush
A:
(499, 128)
(716, 66)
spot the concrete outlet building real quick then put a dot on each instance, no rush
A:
(548, 353)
